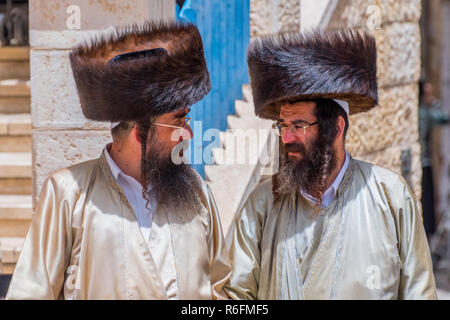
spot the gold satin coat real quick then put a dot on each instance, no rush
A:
(369, 243)
(85, 243)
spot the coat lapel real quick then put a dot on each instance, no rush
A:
(141, 274)
(320, 279)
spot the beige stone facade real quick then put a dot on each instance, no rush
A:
(388, 135)
(272, 16)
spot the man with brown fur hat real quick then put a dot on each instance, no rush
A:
(327, 226)
(131, 224)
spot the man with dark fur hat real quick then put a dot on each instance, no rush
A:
(131, 224)
(327, 226)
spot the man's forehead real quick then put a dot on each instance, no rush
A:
(297, 108)
(176, 113)
(180, 112)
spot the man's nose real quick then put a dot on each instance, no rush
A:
(288, 137)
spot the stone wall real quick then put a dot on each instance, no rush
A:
(272, 16)
(62, 136)
(388, 134)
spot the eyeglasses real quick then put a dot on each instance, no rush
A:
(298, 128)
(187, 119)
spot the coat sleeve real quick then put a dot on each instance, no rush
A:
(245, 254)
(219, 263)
(416, 279)
(39, 272)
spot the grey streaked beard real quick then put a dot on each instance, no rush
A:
(309, 173)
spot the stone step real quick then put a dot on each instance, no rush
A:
(14, 54)
(15, 124)
(15, 88)
(228, 184)
(15, 143)
(243, 150)
(15, 96)
(227, 177)
(10, 249)
(247, 93)
(15, 165)
(235, 122)
(16, 186)
(244, 109)
(14, 70)
(15, 215)
(11, 105)
(246, 123)
(222, 138)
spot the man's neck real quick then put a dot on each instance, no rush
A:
(340, 159)
(126, 160)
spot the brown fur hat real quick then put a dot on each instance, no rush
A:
(120, 78)
(327, 64)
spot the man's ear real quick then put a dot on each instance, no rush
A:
(340, 126)
(135, 133)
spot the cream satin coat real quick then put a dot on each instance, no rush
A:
(85, 243)
(369, 243)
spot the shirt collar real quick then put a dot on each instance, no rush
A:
(340, 176)
(116, 172)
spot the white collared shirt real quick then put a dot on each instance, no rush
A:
(133, 191)
(159, 249)
(330, 193)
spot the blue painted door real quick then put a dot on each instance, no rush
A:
(225, 29)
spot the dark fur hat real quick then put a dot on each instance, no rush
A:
(140, 71)
(330, 65)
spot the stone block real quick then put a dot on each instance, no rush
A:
(391, 158)
(57, 149)
(289, 16)
(54, 98)
(272, 16)
(394, 122)
(52, 22)
(399, 54)
(368, 13)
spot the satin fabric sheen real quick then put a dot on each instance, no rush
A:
(369, 243)
(85, 243)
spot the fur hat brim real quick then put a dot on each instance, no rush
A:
(328, 65)
(140, 87)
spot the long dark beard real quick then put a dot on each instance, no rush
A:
(310, 173)
(174, 185)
